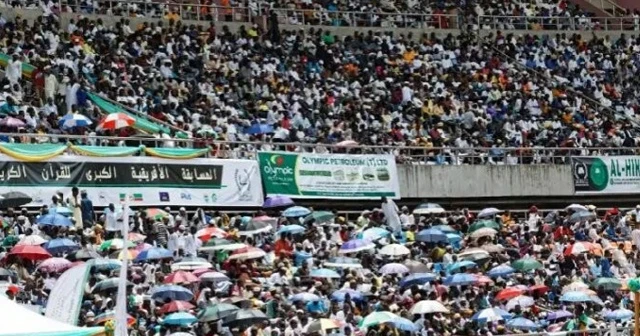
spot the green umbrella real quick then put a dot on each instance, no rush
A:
(207, 131)
(216, 312)
(115, 244)
(607, 283)
(484, 223)
(320, 217)
(182, 135)
(526, 264)
(377, 318)
(9, 241)
(108, 284)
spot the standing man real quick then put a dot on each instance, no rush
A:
(390, 210)
(111, 222)
(75, 204)
(88, 215)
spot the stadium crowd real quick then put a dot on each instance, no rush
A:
(290, 270)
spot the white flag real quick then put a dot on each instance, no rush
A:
(121, 301)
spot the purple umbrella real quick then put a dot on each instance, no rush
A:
(277, 201)
(356, 245)
(394, 268)
(12, 122)
(558, 314)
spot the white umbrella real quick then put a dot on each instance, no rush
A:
(489, 212)
(428, 208)
(394, 268)
(473, 254)
(32, 240)
(484, 232)
(428, 307)
(520, 300)
(575, 286)
(190, 265)
(493, 248)
(577, 207)
(394, 250)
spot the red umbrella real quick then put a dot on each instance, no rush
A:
(175, 306)
(31, 252)
(509, 293)
(581, 247)
(200, 271)
(211, 231)
(538, 288)
(116, 121)
(180, 277)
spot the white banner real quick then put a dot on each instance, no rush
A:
(66, 296)
(144, 181)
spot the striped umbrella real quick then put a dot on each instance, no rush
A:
(116, 121)
(74, 120)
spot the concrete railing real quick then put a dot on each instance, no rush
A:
(537, 23)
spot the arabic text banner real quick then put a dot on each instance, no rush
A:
(141, 180)
(606, 174)
(333, 176)
(66, 296)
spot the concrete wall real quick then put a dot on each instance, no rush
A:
(484, 181)
(29, 14)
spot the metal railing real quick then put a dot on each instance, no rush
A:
(537, 23)
(619, 331)
(403, 154)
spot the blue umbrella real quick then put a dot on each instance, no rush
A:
(74, 120)
(417, 279)
(305, 297)
(581, 216)
(293, 229)
(180, 318)
(575, 296)
(61, 211)
(558, 314)
(491, 315)
(106, 264)
(404, 324)
(60, 245)
(296, 211)
(460, 279)
(374, 234)
(431, 236)
(445, 228)
(500, 271)
(259, 129)
(343, 262)
(341, 294)
(171, 292)
(522, 324)
(154, 253)
(277, 201)
(324, 273)
(453, 238)
(356, 245)
(457, 266)
(619, 315)
(54, 219)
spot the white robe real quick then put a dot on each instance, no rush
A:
(14, 71)
(390, 210)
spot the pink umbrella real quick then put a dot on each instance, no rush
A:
(54, 265)
(142, 247)
(200, 271)
(12, 122)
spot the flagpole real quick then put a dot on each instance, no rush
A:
(121, 327)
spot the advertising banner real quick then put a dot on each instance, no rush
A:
(66, 296)
(142, 180)
(606, 174)
(332, 176)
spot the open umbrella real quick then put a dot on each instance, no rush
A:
(103, 264)
(501, 271)
(576, 286)
(180, 277)
(491, 315)
(394, 268)
(404, 324)
(14, 199)
(210, 232)
(218, 244)
(60, 210)
(108, 284)
(431, 236)
(116, 121)
(256, 226)
(84, 255)
(216, 312)
(179, 318)
(619, 315)
(445, 228)
(176, 306)
(190, 264)
(324, 273)
(277, 202)
(156, 213)
(212, 276)
(417, 279)
(521, 300)
(321, 325)
(460, 279)
(473, 254)
(292, 229)
(115, 244)
(559, 314)
(522, 323)
(416, 266)
(33, 240)
(428, 208)
(154, 253)
(484, 224)
(244, 317)
(577, 208)
(171, 292)
(607, 283)
(12, 122)
(526, 264)
(340, 295)
(509, 293)
(259, 129)
(458, 266)
(71, 120)
(394, 250)
(29, 252)
(320, 217)
(428, 307)
(483, 232)
(110, 316)
(492, 248)
(575, 297)
(489, 212)
(582, 216)
(305, 297)
(296, 211)
(60, 245)
(374, 234)
(580, 247)
(343, 262)
(377, 318)
(54, 220)
(356, 245)
(247, 253)
(54, 265)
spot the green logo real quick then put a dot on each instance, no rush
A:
(598, 175)
(276, 166)
(278, 173)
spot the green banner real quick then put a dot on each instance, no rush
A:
(333, 176)
(606, 174)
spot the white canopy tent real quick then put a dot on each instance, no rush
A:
(20, 321)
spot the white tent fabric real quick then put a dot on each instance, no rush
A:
(20, 321)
